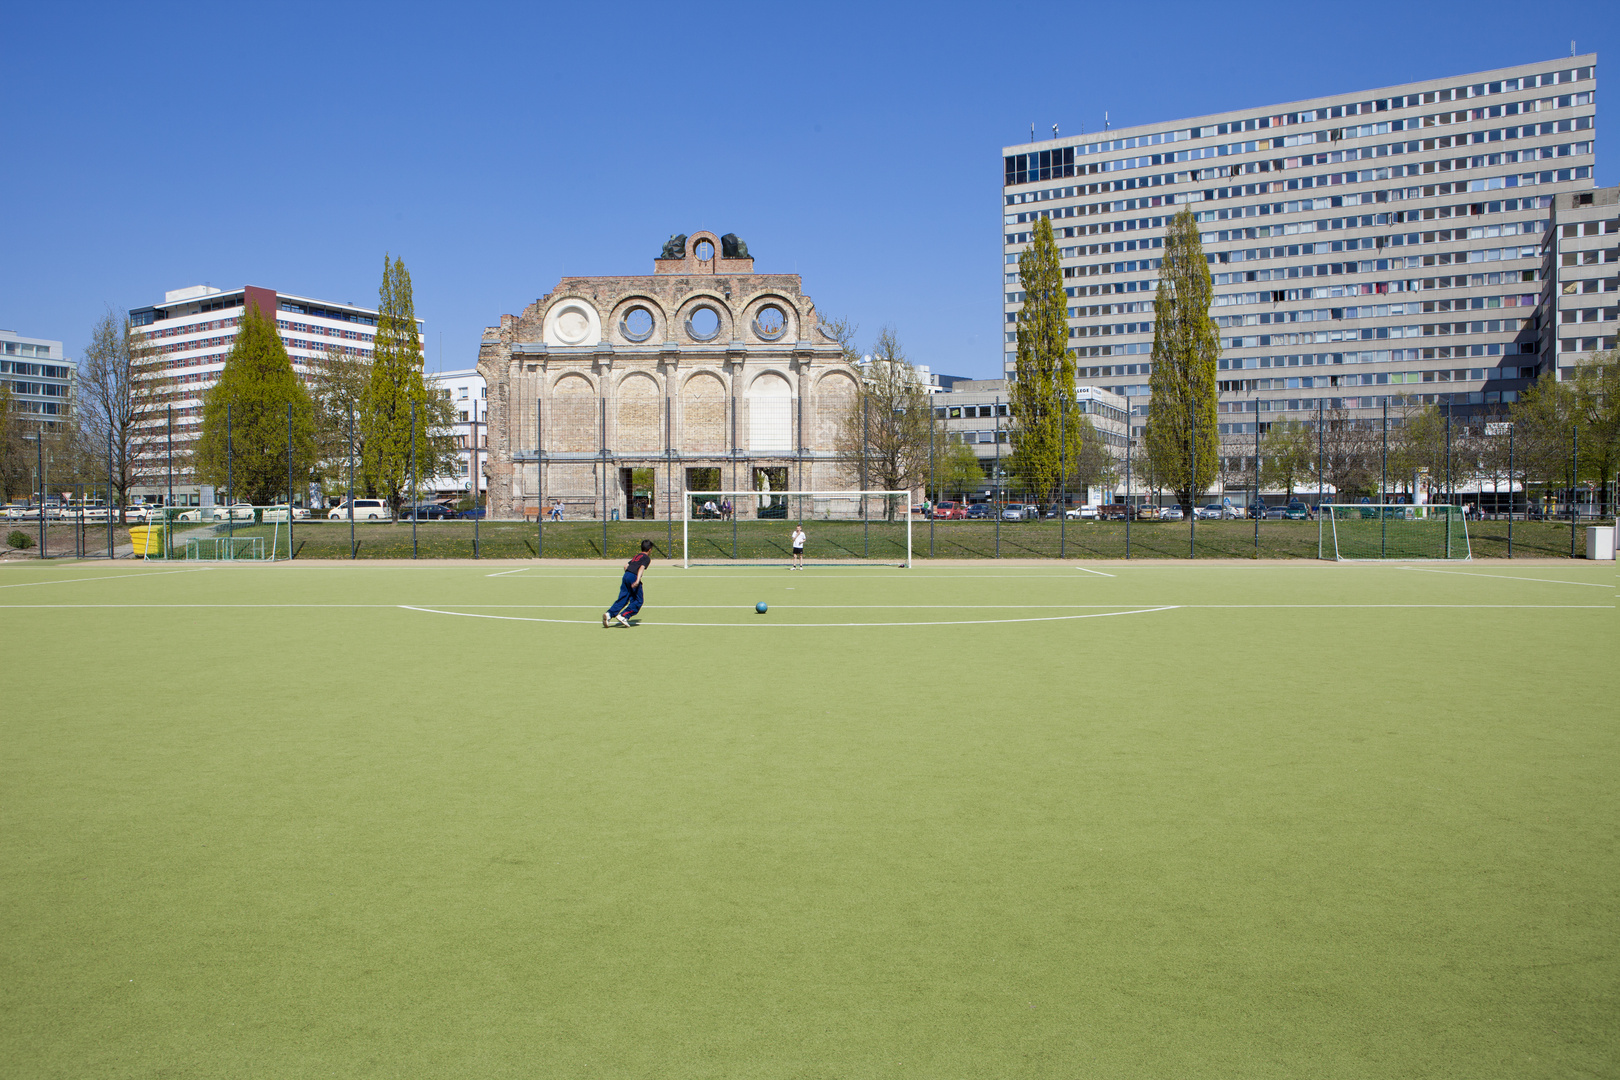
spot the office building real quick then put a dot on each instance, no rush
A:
(1384, 244)
(39, 378)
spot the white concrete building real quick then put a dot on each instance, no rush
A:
(39, 377)
(465, 389)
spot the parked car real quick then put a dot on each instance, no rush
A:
(1296, 511)
(428, 511)
(1020, 512)
(364, 510)
(279, 513)
(476, 512)
(980, 512)
(1147, 513)
(1081, 513)
(949, 511)
(1171, 513)
(235, 512)
(1276, 513)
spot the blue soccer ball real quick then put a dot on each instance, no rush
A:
(760, 607)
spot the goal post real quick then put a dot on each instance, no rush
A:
(1371, 531)
(841, 527)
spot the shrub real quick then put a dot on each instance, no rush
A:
(19, 540)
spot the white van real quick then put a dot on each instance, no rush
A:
(364, 510)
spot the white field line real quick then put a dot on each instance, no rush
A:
(503, 573)
(1099, 573)
(953, 622)
(120, 577)
(1510, 577)
(837, 607)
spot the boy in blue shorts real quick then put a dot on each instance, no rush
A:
(630, 594)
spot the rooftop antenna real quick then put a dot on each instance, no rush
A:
(1105, 119)
(1572, 46)
(1054, 131)
(1032, 131)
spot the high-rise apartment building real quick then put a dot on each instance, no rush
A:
(194, 328)
(1580, 271)
(1380, 244)
(39, 378)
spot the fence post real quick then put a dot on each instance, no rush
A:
(1063, 475)
(351, 484)
(289, 485)
(1574, 481)
(230, 482)
(413, 479)
(1510, 489)
(540, 480)
(110, 554)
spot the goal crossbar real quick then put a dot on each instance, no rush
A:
(1348, 532)
(757, 508)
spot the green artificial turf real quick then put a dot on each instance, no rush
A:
(852, 540)
(1312, 820)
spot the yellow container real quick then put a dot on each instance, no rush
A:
(148, 541)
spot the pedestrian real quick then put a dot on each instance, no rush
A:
(798, 547)
(631, 596)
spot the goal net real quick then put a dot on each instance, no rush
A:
(1391, 531)
(840, 527)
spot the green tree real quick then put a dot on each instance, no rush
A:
(1041, 395)
(1287, 455)
(338, 387)
(1181, 429)
(121, 398)
(253, 394)
(884, 437)
(14, 474)
(396, 384)
(1553, 412)
(957, 471)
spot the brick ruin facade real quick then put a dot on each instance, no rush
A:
(606, 375)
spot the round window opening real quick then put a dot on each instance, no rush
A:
(703, 324)
(704, 251)
(770, 323)
(572, 326)
(637, 324)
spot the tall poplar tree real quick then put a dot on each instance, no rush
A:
(1181, 431)
(1042, 389)
(251, 400)
(396, 382)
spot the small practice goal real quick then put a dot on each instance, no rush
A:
(1348, 531)
(841, 527)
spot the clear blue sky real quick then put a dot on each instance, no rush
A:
(496, 147)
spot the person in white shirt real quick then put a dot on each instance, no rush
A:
(798, 548)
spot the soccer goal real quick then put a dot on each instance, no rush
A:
(841, 527)
(1347, 531)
